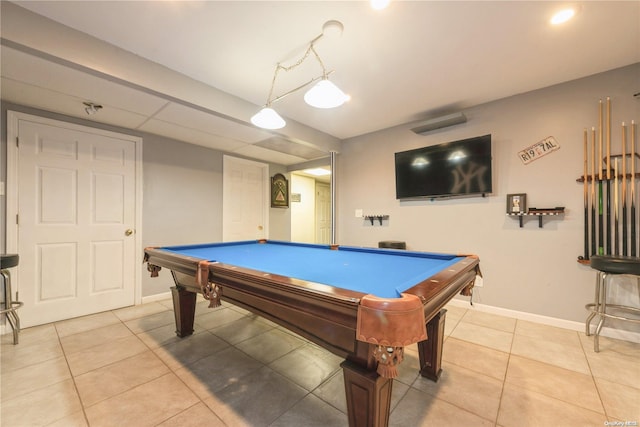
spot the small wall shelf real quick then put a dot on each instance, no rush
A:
(540, 213)
(379, 218)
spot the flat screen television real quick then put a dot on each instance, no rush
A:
(453, 169)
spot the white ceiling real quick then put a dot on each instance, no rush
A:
(197, 71)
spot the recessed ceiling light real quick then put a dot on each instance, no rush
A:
(317, 172)
(563, 16)
(379, 4)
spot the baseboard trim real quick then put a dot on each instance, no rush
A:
(535, 318)
(545, 320)
(156, 297)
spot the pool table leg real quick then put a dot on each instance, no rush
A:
(430, 350)
(368, 396)
(184, 309)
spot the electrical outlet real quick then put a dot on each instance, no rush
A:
(359, 213)
(479, 282)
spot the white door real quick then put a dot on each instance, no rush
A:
(245, 198)
(76, 215)
(323, 213)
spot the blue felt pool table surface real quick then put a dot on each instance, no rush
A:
(384, 273)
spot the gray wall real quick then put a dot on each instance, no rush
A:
(182, 192)
(529, 269)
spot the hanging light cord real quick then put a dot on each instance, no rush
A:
(293, 66)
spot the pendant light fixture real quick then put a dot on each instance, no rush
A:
(268, 118)
(324, 94)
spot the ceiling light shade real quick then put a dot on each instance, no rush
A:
(562, 16)
(325, 94)
(268, 118)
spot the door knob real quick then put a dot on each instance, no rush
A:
(129, 232)
(259, 227)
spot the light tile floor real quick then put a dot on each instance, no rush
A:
(127, 368)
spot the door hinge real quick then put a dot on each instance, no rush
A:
(17, 141)
(17, 219)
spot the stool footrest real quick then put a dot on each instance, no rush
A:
(14, 306)
(607, 268)
(622, 308)
(10, 311)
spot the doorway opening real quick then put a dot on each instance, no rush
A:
(310, 203)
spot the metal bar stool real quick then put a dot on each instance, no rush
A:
(608, 267)
(6, 262)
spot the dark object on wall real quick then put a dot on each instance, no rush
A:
(392, 244)
(380, 218)
(279, 191)
(516, 203)
(452, 169)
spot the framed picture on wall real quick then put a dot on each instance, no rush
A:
(279, 191)
(516, 203)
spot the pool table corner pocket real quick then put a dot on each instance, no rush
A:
(210, 291)
(390, 324)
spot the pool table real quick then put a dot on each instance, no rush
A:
(362, 304)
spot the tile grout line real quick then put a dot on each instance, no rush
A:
(458, 322)
(170, 371)
(593, 378)
(565, 402)
(506, 371)
(583, 347)
(73, 378)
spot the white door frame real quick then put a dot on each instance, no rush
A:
(13, 117)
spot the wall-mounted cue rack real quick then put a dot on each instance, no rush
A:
(611, 221)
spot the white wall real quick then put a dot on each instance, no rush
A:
(526, 269)
(529, 269)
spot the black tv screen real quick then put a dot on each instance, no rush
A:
(457, 168)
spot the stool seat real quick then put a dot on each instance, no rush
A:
(616, 264)
(9, 260)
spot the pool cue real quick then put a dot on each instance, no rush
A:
(600, 210)
(600, 220)
(593, 191)
(633, 188)
(624, 190)
(608, 220)
(586, 199)
(615, 207)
